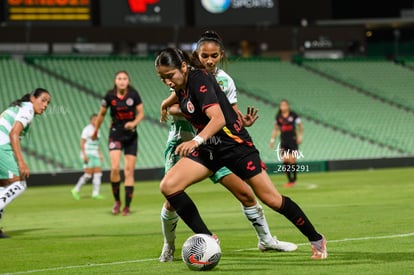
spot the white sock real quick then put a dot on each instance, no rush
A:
(255, 215)
(81, 181)
(8, 194)
(96, 182)
(169, 220)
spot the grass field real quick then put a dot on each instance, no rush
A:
(367, 217)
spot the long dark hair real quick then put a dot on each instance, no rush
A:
(279, 112)
(174, 58)
(211, 36)
(26, 98)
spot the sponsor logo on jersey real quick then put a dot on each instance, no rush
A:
(129, 102)
(203, 89)
(113, 102)
(190, 107)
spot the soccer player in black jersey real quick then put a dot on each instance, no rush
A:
(221, 141)
(127, 110)
(291, 132)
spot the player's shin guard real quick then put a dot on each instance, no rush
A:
(294, 214)
(11, 192)
(188, 212)
(81, 181)
(96, 182)
(257, 218)
(115, 190)
(169, 220)
(129, 193)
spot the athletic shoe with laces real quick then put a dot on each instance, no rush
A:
(125, 211)
(277, 245)
(75, 194)
(98, 197)
(117, 208)
(167, 254)
(289, 184)
(3, 236)
(319, 250)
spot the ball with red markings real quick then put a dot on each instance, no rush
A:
(201, 252)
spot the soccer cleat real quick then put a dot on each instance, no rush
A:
(319, 250)
(98, 197)
(289, 184)
(117, 208)
(3, 236)
(125, 211)
(167, 254)
(75, 194)
(277, 245)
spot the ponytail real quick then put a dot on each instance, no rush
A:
(174, 57)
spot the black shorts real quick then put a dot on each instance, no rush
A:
(122, 139)
(242, 160)
(290, 145)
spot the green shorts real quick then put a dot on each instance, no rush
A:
(170, 157)
(8, 164)
(93, 162)
(221, 173)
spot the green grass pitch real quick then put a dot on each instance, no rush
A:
(367, 217)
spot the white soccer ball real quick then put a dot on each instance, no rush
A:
(201, 252)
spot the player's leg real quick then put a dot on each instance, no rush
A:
(252, 210)
(169, 217)
(115, 178)
(96, 183)
(87, 175)
(173, 187)
(130, 161)
(267, 193)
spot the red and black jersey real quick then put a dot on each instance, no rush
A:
(287, 126)
(123, 109)
(202, 91)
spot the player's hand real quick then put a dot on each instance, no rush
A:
(85, 159)
(299, 140)
(94, 135)
(272, 144)
(130, 125)
(24, 170)
(164, 115)
(185, 148)
(250, 117)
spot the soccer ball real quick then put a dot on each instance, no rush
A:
(201, 252)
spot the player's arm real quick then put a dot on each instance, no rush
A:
(249, 118)
(17, 150)
(99, 120)
(139, 116)
(275, 133)
(299, 133)
(166, 104)
(82, 147)
(216, 123)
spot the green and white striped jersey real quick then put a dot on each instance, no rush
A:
(91, 146)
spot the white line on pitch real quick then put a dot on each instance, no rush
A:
(238, 250)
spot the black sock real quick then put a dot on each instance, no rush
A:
(188, 212)
(294, 214)
(129, 192)
(115, 190)
(287, 171)
(295, 176)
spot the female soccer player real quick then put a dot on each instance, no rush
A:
(203, 103)
(291, 132)
(210, 52)
(91, 156)
(127, 110)
(15, 121)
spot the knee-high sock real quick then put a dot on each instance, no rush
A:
(129, 193)
(294, 214)
(169, 220)
(188, 212)
(96, 182)
(288, 171)
(82, 180)
(255, 215)
(115, 190)
(9, 193)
